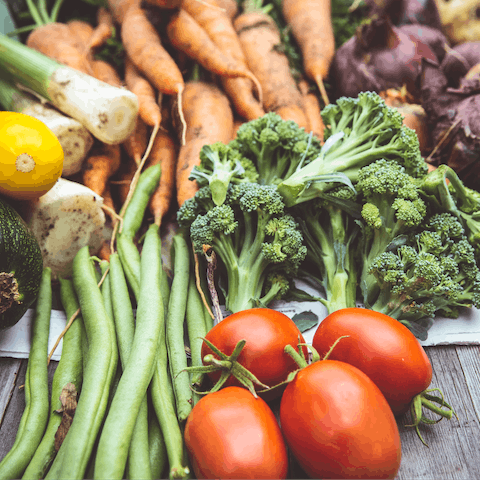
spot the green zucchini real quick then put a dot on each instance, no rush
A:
(21, 266)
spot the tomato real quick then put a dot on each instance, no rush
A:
(232, 434)
(338, 424)
(266, 332)
(381, 347)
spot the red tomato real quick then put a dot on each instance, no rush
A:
(338, 424)
(232, 434)
(266, 332)
(380, 346)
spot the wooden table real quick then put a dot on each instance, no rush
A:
(454, 446)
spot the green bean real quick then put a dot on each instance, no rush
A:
(69, 370)
(98, 375)
(138, 465)
(163, 400)
(117, 432)
(35, 415)
(175, 326)
(197, 330)
(132, 220)
(157, 448)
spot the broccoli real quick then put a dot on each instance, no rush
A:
(358, 131)
(433, 273)
(219, 165)
(259, 245)
(276, 147)
(330, 228)
(391, 209)
(444, 191)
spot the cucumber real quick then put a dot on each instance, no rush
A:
(21, 266)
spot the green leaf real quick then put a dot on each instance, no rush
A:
(305, 320)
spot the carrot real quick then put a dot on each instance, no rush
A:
(216, 23)
(57, 42)
(167, 4)
(209, 119)
(103, 31)
(259, 37)
(149, 110)
(164, 151)
(105, 72)
(119, 8)
(137, 143)
(311, 24)
(143, 45)
(188, 36)
(312, 110)
(230, 7)
(237, 123)
(82, 30)
(100, 166)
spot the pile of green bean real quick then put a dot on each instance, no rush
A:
(124, 354)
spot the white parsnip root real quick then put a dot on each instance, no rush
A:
(64, 220)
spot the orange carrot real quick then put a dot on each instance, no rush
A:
(100, 166)
(103, 31)
(209, 119)
(124, 178)
(105, 72)
(259, 37)
(148, 109)
(311, 24)
(188, 36)
(167, 4)
(230, 7)
(216, 23)
(312, 110)
(119, 8)
(164, 151)
(136, 143)
(237, 123)
(56, 41)
(143, 45)
(82, 30)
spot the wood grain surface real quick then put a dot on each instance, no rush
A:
(453, 451)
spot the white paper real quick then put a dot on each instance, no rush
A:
(464, 330)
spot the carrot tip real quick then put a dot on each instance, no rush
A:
(321, 87)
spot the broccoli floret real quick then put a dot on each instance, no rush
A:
(276, 147)
(219, 165)
(329, 226)
(391, 209)
(254, 239)
(445, 192)
(358, 131)
(434, 273)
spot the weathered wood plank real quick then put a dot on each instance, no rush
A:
(469, 357)
(13, 413)
(454, 450)
(8, 373)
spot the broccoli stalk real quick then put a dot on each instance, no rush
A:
(434, 273)
(330, 230)
(220, 165)
(258, 244)
(445, 192)
(391, 209)
(276, 147)
(358, 131)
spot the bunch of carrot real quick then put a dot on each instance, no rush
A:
(244, 73)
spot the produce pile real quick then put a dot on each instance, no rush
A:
(203, 158)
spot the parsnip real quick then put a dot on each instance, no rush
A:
(64, 220)
(74, 138)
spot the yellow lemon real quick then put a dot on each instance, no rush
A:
(31, 157)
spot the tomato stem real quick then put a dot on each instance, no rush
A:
(298, 359)
(428, 401)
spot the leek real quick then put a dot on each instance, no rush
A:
(108, 112)
(74, 138)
